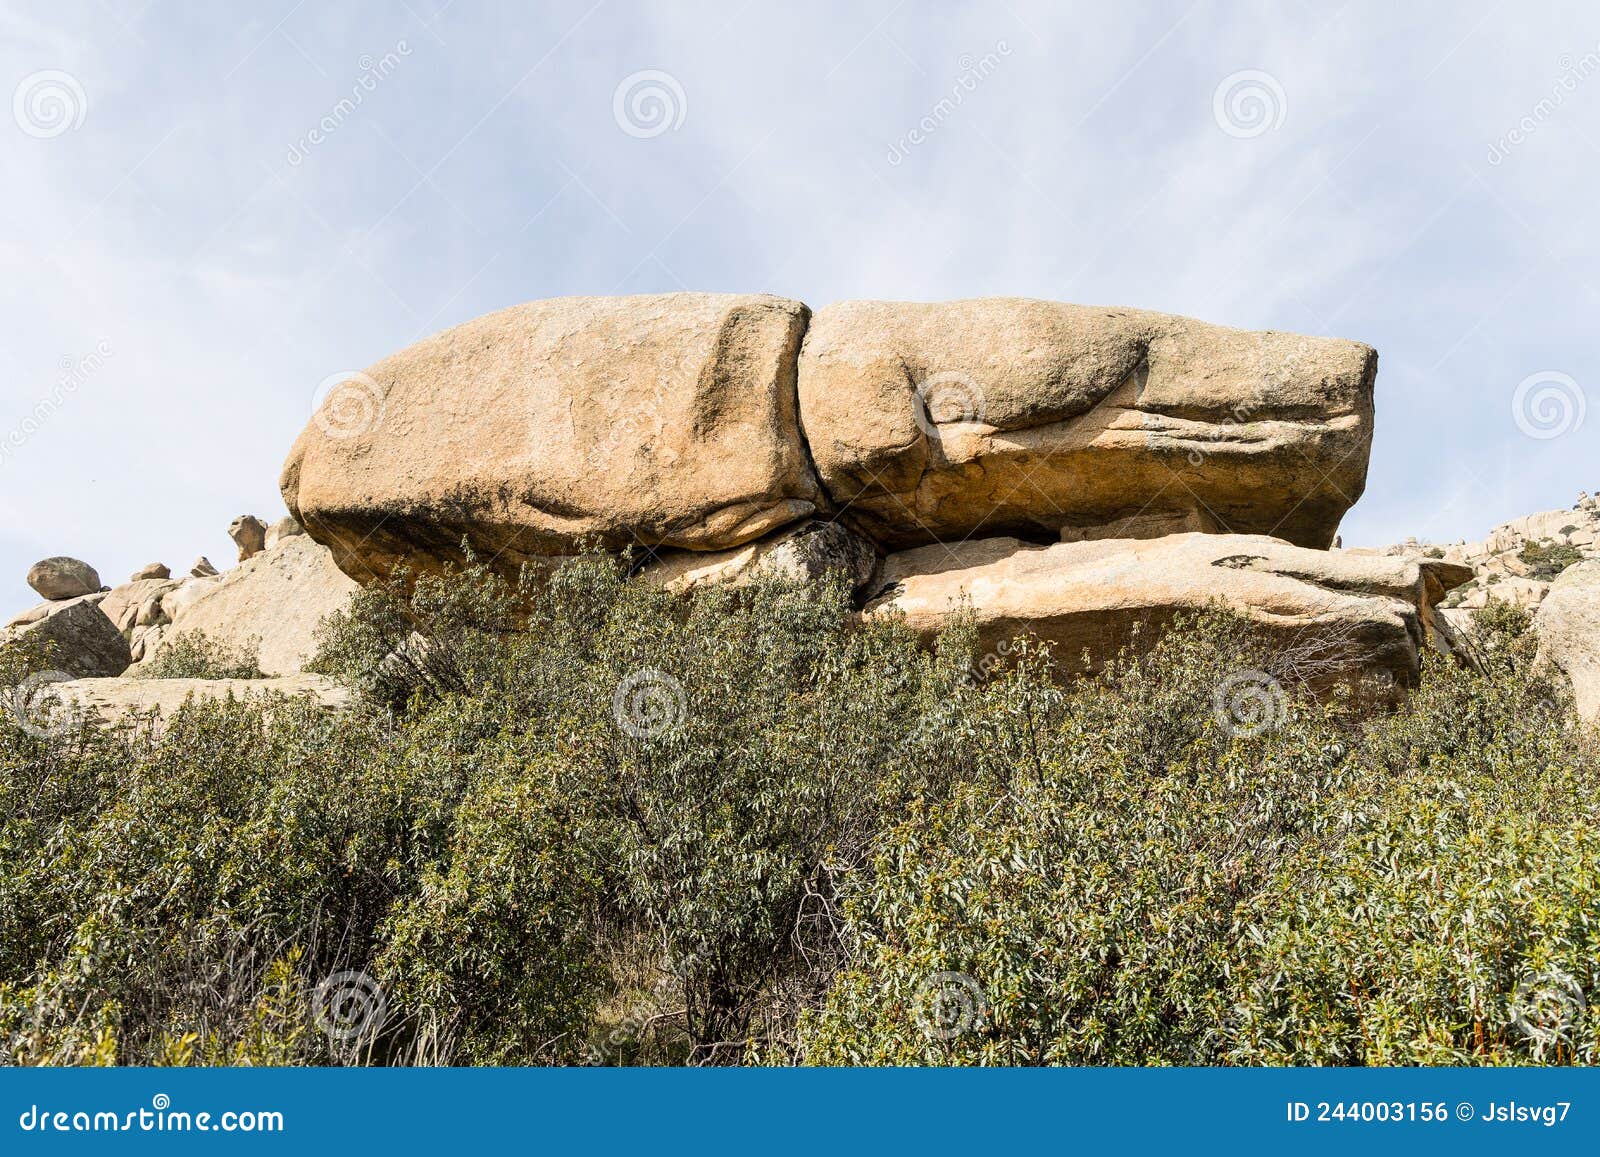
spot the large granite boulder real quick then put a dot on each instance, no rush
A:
(62, 577)
(1568, 624)
(1345, 615)
(270, 604)
(658, 420)
(1004, 416)
(84, 643)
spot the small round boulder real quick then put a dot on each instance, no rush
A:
(153, 570)
(63, 578)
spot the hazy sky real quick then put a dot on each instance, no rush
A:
(210, 209)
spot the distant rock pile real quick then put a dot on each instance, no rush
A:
(268, 606)
(1546, 563)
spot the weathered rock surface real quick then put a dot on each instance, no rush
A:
(151, 570)
(284, 528)
(659, 420)
(249, 534)
(63, 578)
(116, 699)
(937, 422)
(806, 553)
(85, 642)
(1568, 624)
(202, 568)
(124, 605)
(271, 604)
(1346, 614)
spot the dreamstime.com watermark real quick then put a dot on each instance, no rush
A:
(649, 103)
(648, 703)
(159, 1117)
(978, 672)
(49, 103)
(373, 72)
(1546, 1008)
(949, 1004)
(1249, 103)
(74, 373)
(350, 1009)
(37, 709)
(947, 398)
(347, 404)
(1249, 703)
(1548, 404)
(1275, 374)
(1573, 72)
(972, 74)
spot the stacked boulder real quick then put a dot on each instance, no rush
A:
(105, 640)
(1066, 470)
(70, 621)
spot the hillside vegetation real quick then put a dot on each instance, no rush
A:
(594, 822)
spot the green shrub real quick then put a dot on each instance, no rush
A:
(196, 655)
(1546, 559)
(1416, 890)
(578, 818)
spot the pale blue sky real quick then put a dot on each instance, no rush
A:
(174, 243)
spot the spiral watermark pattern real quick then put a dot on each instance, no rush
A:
(1249, 703)
(948, 1004)
(347, 404)
(1548, 404)
(946, 399)
(1249, 103)
(648, 103)
(49, 103)
(1546, 1006)
(349, 1007)
(39, 711)
(648, 703)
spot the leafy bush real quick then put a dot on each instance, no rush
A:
(196, 655)
(1415, 891)
(576, 818)
(1546, 559)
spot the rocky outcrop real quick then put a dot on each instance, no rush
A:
(1342, 615)
(683, 421)
(285, 527)
(661, 421)
(123, 605)
(249, 534)
(939, 422)
(805, 554)
(63, 578)
(82, 640)
(1520, 559)
(269, 604)
(1568, 624)
(151, 570)
(115, 700)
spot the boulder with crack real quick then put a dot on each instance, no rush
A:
(1038, 419)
